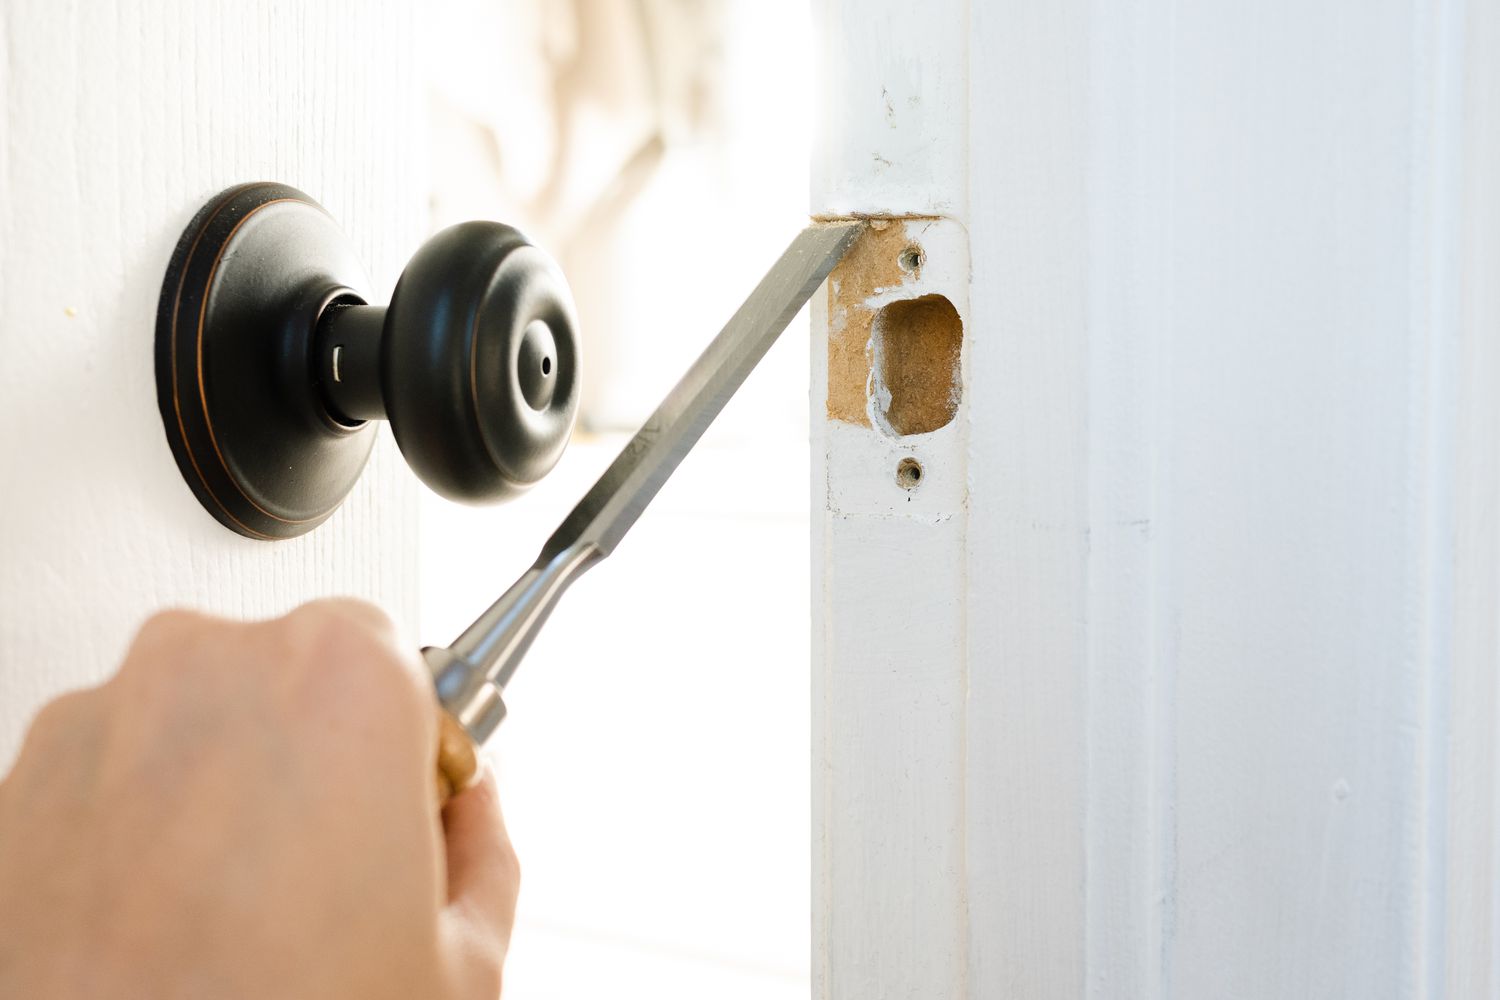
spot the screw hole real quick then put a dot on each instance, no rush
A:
(546, 366)
(909, 474)
(912, 259)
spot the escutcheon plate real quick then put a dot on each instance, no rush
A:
(235, 376)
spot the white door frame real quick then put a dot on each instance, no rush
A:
(1186, 686)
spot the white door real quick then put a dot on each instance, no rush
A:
(1175, 675)
(120, 120)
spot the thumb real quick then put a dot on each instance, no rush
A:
(484, 876)
(484, 879)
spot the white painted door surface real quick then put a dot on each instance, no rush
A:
(120, 120)
(1176, 676)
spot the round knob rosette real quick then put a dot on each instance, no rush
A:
(272, 367)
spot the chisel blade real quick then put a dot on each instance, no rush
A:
(471, 673)
(608, 510)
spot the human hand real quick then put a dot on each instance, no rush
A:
(247, 810)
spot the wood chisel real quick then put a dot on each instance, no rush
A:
(471, 674)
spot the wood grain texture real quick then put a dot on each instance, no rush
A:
(1227, 594)
(120, 120)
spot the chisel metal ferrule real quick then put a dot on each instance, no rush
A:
(471, 674)
(465, 693)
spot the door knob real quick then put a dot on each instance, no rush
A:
(272, 367)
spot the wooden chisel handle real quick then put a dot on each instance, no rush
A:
(457, 758)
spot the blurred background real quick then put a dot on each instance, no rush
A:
(654, 767)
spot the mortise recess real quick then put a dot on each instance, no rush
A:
(916, 344)
(894, 348)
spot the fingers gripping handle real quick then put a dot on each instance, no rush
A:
(458, 741)
(457, 757)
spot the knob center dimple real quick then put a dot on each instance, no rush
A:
(537, 366)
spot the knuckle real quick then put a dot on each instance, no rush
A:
(169, 641)
(334, 632)
(347, 613)
(167, 629)
(57, 731)
(59, 714)
(353, 646)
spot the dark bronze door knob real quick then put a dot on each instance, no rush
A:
(271, 367)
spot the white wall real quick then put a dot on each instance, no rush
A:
(120, 120)
(1225, 568)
